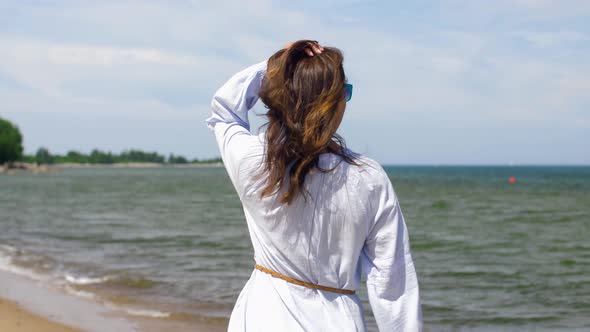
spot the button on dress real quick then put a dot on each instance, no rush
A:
(350, 226)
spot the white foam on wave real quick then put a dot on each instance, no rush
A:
(7, 265)
(130, 311)
(7, 248)
(85, 280)
(147, 313)
(81, 294)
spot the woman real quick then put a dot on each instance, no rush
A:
(319, 215)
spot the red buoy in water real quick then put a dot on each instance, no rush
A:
(512, 179)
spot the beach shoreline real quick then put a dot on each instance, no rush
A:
(31, 168)
(16, 318)
(40, 303)
(28, 304)
(136, 165)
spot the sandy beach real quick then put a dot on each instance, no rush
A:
(135, 165)
(30, 305)
(21, 167)
(17, 319)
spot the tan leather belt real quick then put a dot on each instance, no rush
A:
(303, 283)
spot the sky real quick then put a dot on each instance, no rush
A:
(473, 82)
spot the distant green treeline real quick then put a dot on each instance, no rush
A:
(43, 156)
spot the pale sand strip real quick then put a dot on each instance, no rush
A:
(27, 305)
(15, 319)
(43, 301)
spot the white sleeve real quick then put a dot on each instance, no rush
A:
(229, 116)
(386, 259)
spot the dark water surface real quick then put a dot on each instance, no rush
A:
(172, 244)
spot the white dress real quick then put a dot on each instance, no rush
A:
(351, 226)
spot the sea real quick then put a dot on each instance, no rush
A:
(170, 244)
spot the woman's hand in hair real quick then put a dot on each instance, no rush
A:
(313, 48)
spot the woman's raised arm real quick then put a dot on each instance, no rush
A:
(234, 98)
(229, 115)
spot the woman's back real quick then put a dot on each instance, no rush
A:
(345, 223)
(317, 238)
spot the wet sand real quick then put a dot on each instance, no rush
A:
(28, 305)
(16, 319)
(38, 302)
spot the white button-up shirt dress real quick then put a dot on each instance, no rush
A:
(350, 226)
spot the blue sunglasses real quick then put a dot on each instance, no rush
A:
(347, 92)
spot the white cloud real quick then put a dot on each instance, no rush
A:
(32, 51)
(108, 56)
(553, 38)
(56, 69)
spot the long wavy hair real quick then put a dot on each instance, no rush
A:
(302, 94)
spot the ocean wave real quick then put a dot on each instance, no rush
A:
(80, 293)
(6, 264)
(8, 249)
(147, 313)
(85, 280)
(128, 281)
(74, 282)
(118, 281)
(73, 290)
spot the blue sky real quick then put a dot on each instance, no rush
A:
(436, 82)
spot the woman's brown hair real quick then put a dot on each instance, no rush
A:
(302, 94)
